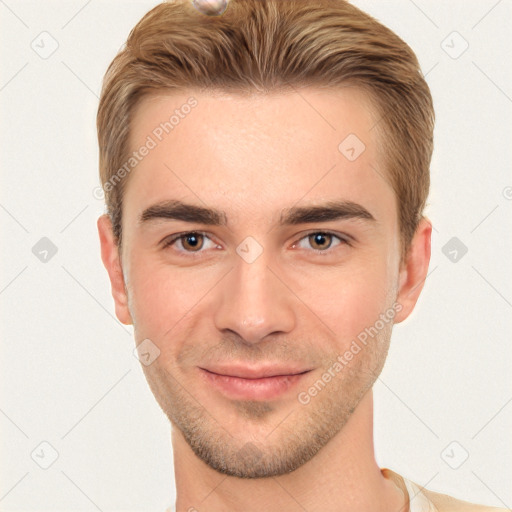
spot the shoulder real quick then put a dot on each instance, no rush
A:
(441, 502)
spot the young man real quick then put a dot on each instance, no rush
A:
(265, 168)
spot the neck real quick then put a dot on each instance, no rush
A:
(342, 476)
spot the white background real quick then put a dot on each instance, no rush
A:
(67, 370)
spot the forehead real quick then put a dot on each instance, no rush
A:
(241, 153)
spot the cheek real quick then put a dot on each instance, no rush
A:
(349, 300)
(162, 298)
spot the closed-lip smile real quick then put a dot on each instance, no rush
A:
(256, 383)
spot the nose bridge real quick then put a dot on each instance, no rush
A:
(254, 302)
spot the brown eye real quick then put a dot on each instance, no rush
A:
(320, 241)
(192, 241)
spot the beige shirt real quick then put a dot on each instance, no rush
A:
(419, 499)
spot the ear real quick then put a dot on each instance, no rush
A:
(413, 271)
(111, 260)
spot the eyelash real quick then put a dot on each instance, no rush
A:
(344, 240)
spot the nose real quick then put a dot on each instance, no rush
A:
(254, 302)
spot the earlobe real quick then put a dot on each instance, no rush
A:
(413, 271)
(111, 261)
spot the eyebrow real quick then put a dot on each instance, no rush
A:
(178, 210)
(332, 210)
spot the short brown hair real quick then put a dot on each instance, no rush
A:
(267, 46)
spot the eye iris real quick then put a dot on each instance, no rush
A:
(193, 241)
(323, 240)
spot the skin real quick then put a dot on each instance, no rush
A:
(253, 158)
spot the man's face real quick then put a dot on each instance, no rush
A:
(262, 290)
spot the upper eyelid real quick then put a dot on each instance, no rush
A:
(342, 236)
(174, 238)
(344, 239)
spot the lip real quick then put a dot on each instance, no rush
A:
(253, 383)
(247, 372)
